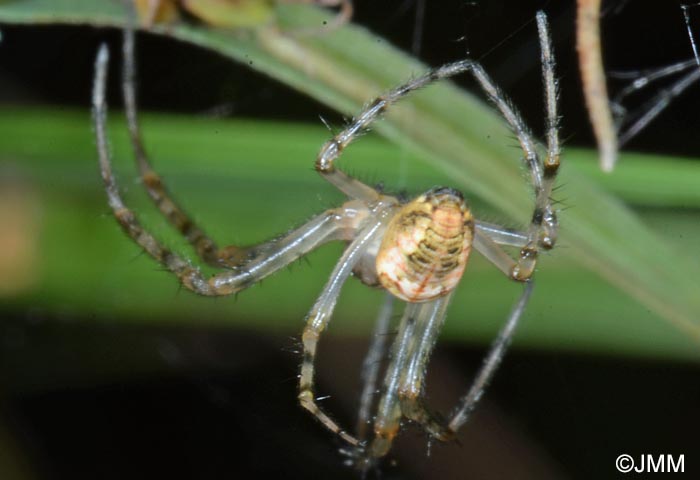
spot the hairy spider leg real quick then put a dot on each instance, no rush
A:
(491, 362)
(413, 379)
(320, 315)
(543, 226)
(389, 412)
(404, 379)
(404, 382)
(259, 262)
(429, 322)
(371, 365)
(501, 235)
(206, 248)
(547, 228)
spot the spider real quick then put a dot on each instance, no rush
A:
(416, 250)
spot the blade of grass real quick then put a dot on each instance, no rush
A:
(88, 268)
(441, 125)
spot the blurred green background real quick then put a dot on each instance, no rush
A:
(95, 332)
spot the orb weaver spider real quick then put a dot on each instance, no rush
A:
(416, 250)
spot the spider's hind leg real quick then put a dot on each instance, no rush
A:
(411, 388)
(435, 425)
(206, 247)
(419, 326)
(491, 362)
(319, 317)
(189, 276)
(372, 365)
(255, 264)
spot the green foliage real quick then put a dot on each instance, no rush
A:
(446, 134)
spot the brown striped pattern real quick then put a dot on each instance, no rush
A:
(426, 247)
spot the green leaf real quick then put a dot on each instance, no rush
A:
(451, 130)
(251, 181)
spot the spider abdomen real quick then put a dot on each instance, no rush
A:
(426, 246)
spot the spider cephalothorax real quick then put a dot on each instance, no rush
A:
(417, 251)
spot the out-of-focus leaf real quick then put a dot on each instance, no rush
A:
(250, 182)
(445, 127)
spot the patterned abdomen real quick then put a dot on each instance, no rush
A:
(426, 247)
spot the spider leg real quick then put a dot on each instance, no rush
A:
(388, 415)
(527, 260)
(325, 162)
(491, 362)
(320, 316)
(257, 263)
(372, 364)
(331, 150)
(546, 228)
(205, 247)
(487, 240)
(494, 253)
(543, 225)
(501, 235)
(542, 232)
(418, 329)
(429, 323)
(515, 120)
(525, 266)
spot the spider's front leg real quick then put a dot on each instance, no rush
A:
(544, 224)
(542, 233)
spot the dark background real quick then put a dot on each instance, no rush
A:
(226, 408)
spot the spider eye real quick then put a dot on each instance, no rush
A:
(445, 194)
